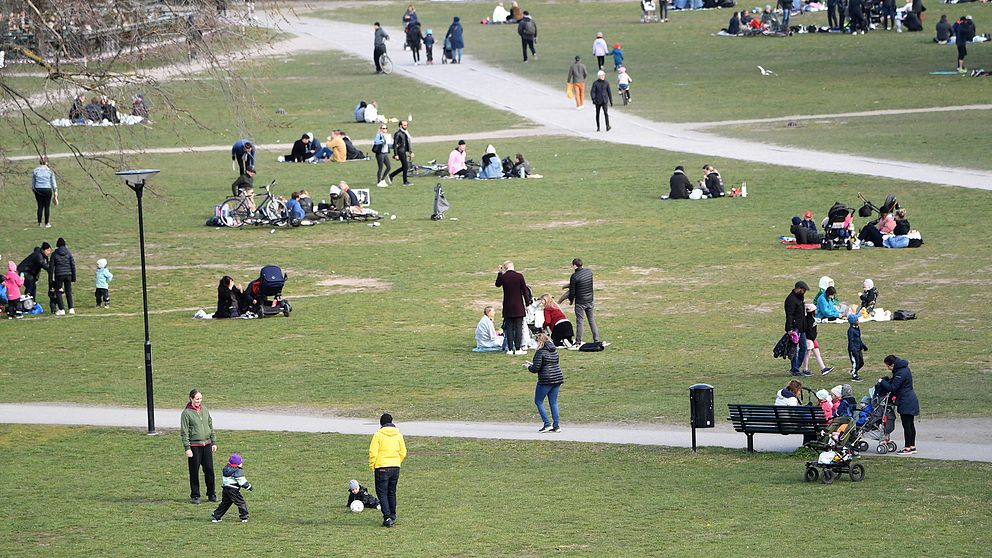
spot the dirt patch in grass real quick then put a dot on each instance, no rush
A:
(576, 223)
(354, 284)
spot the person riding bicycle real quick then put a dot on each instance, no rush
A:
(380, 46)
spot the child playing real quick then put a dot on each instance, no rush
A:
(103, 279)
(617, 57)
(234, 481)
(869, 296)
(429, 46)
(855, 347)
(812, 345)
(623, 83)
(13, 281)
(359, 492)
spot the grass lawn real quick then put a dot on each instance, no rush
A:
(543, 498)
(684, 74)
(687, 292)
(936, 138)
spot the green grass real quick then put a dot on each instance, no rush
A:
(120, 493)
(937, 138)
(687, 292)
(683, 74)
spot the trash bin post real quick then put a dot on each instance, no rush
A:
(700, 409)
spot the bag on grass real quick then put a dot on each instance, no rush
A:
(904, 315)
(593, 347)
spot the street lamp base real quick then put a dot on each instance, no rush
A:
(153, 433)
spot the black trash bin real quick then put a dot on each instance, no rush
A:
(700, 409)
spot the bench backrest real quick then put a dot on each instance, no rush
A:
(777, 419)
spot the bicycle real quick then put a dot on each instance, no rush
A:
(385, 63)
(241, 210)
(432, 167)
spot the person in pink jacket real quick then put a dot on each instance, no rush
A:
(13, 281)
(456, 162)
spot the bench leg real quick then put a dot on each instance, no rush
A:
(750, 443)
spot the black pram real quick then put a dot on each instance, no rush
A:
(266, 293)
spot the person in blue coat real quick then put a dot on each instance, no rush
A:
(900, 386)
(826, 305)
(243, 151)
(454, 35)
(491, 165)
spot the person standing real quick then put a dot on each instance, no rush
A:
(379, 46)
(61, 276)
(46, 190)
(549, 381)
(243, 151)
(455, 35)
(402, 152)
(580, 296)
(380, 146)
(516, 298)
(900, 385)
(414, 39)
(527, 29)
(32, 266)
(601, 95)
(386, 453)
(786, 6)
(965, 33)
(600, 49)
(196, 429)
(577, 79)
(795, 320)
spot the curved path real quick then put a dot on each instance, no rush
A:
(548, 107)
(969, 440)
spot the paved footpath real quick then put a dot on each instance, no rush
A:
(938, 439)
(480, 81)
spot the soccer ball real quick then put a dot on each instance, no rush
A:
(357, 506)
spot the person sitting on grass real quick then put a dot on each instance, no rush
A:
(352, 153)
(487, 339)
(301, 151)
(679, 185)
(555, 323)
(353, 205)
(456, 162)
(360, 111)
(232, 301)
(371, 114)
(294, 208)
(358, 492)
(827, 306)
(521, 167)
(491, 166)
(335, 150)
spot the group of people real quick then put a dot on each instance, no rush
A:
(681, 188)
(102, 110)
(840, 408)
(600, 92)
(387, 450)
(492, 167)
(339, 149)
(20, 282)
(414, 36)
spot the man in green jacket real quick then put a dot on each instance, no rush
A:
(197, 433)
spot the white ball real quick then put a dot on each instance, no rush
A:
(357, 506)
(392, 217)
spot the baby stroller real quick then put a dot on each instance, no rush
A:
(838, 232)
(266, 293)
(876, 421)
(447, 55)
(890, 205)
(835, 456)
(440, 203)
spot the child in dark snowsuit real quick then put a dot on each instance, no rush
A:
(234, 481)
(429, 46)
(855, 347)
(360, 493)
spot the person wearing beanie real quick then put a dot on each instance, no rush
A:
(455, 36)
(429, 45)
(900, 386)
(795, 320)
(577, 74)
(103, 279)
(360, 493)
(61, 276)
(13, 282)
(196, 431)
(233, 481)
(855, 347)
(826, 403)
(386, 453)
(617, 57)
(869, 297)
(46, 190)
(601, 95)
(32, 266)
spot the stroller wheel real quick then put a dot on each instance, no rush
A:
(811, 474)
(828, 476)
(861, 445)
(857, 472)
(882, 449)
(891, 445)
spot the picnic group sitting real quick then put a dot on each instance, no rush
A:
(491, 168)
(829, 308)
(543, 314)
(339, 149)
(742, 24)
(502, 15)
(891, 230)
(102, 111)
(368, 113)
(681, 188)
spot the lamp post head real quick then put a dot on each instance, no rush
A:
(135, 179)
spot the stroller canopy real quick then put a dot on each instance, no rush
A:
(440, 203)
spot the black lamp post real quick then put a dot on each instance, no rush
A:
(135, 180)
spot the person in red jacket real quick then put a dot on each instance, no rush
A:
(555, 323)
(516, 298)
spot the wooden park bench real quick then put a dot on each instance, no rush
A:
(774, 419)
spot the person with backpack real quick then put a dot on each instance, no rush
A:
(527, 29)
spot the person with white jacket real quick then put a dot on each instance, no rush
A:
(486, 336)
(372, 113)
(789, 397)
(600, 49)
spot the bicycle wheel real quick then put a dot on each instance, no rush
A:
(274, 211)
(234, 212)
(420, 171)
(385, 63)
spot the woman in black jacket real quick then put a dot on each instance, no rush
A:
(61, 276)
(549, 380)
(601, 95)
(229, 299)
(900, 386)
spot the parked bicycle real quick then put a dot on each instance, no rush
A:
(242, 210)
(433, 168)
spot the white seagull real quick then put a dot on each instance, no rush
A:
(765, 72)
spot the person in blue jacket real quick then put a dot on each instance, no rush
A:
(900, 386)
(454, 35)
(294, 208)
(826, 305)
(243, 151)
